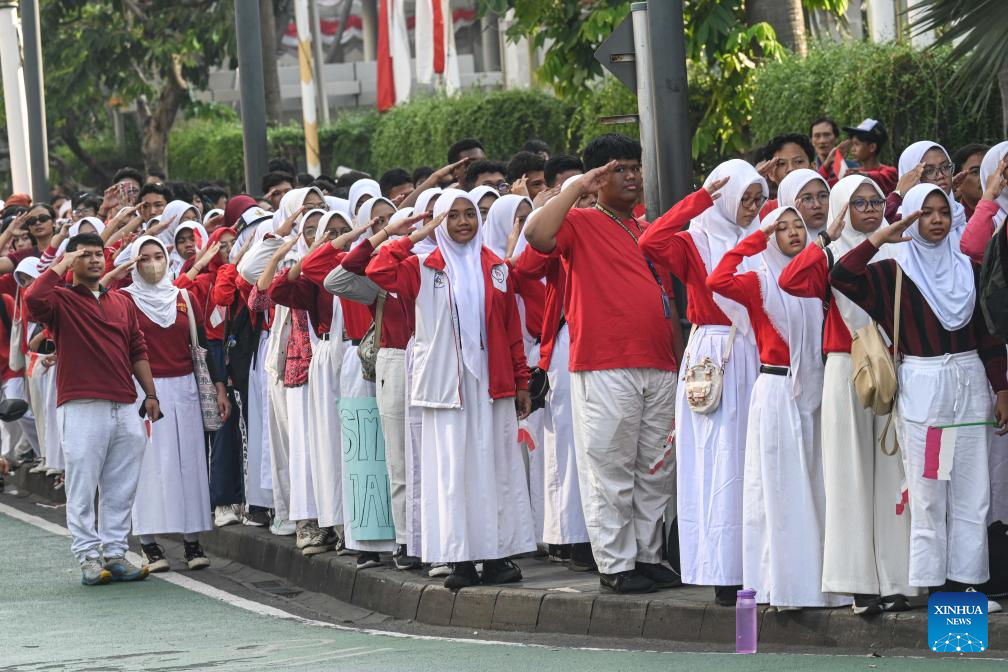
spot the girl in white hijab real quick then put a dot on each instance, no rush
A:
(993, 161)
(360, 191)
(782, 507)
(806, 191)
(991, 209)
(862, 483)
(926, 162)
(710, 448)
(173, 493)
(506, 213)
(484, 197)
(943, 409)
(468, 350)
(174, 214)
(425, 203)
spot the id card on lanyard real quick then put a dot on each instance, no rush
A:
(666, 302)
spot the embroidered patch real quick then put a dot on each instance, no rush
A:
(181, 307)
(499, 276)
(439, 279)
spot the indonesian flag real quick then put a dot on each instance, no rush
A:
(839, 165)
(393, 55)
(435, 44)
(939, 451)
(525, 437)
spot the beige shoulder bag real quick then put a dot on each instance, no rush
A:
(704, 381)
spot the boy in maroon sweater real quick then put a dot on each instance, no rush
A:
(99, 339)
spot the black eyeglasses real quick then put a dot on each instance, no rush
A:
(934, 171)
(866, 204)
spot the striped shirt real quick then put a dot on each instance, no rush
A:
(872, 286)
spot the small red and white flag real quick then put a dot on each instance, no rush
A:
(394, 72)
(939, 452)
(839, 164)
(434, 33)
(525, 437)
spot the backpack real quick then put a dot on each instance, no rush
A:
(993, 290)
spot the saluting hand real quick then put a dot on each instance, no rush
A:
(836, 227)
(596, 178)
(428, 228)
(909, 180)
(288, 224)
(997, 182)
(714, 188)
(894, 233)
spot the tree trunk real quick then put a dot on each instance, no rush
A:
(69, 136)
(785, 17)
(271, 80)
(1003, 87)
(157, 123)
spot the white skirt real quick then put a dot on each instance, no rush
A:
(53, 430)
(258, 490)
(324, 420)
(710, 463)
(475, 503)
(173, 493)
(302, 491)
(531, 437)
(414, 423)
(783, 503)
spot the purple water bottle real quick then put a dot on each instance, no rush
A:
(745, 622)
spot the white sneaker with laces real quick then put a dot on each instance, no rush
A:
(283, 528)
(225, 515)
(439, 570)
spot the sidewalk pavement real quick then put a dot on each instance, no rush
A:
(552, 599)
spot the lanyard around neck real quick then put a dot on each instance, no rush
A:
(666, 303)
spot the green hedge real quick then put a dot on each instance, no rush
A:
(904, 88)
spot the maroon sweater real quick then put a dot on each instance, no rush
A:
(98, 340)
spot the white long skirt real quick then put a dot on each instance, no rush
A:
(475, 502)
(948, 531)
(710, 463)
(564, 521)
(258, 491)
(867, 534)
(352, 384)
(302, 490)
(783, 503)
(324, 445)
(414, 425)
(53, 429)
(532, 444)
(276, 460)
(173, 493)
(37, 382)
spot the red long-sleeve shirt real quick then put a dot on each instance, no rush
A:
(979, 230)
(397, 269)
(397, 322)
(885, 176)
(304, 294)
(316, 266)
(666, 244)
(532, 265)
(745, 289)
(98, 339)
(807, 277)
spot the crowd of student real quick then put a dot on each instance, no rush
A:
(184, 353)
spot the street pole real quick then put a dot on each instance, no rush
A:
(253, 92)
(305, 58)
(38, 146)
(669, 93)
(319, 60)
(645, 108)
(14, 97)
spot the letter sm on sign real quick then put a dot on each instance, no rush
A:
(367, 504)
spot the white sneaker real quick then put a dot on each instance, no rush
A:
(225, 515)
(992, 606)
(283, 528)
(439, 570)
(53, 472)
(39, 468)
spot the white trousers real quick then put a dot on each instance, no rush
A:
(622, 422)
(173, 491)
(277, 459)
(37, 397)
(325, 447)
(710, 463)
(414, 425)
(390, 384)
(258, 492)
(53, 429)
(867, 538)
(352, 384)
(563, 517)
(475, 503)
(302, 490)
(783, 503)
(103, 443)
(948, 532)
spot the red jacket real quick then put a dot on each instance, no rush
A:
(98, 340)
(397, 269)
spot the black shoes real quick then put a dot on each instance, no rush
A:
(500, 571)
(581, 558)
(463, 575)
(403, 561)
(626, 582)
(368, 559)
(726, 596)
(194, 556)
(662, 575)
(156, 560)
(559, 552)
(895, 602)
(867, 605)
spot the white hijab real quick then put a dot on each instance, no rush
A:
(210, 214)
(360, 188)
(175, 260)
(303, 245)
(465, 275)
(942, 273)
(427, 245)
(74, 230)
(911, 158)
(28, 266)
(364, 216)
(174, 211)
(787, 192)
(522, 241)
(291, 203)
(798, 321)
(988, 167)
(337, 203)
(714, 231)
(500, 222)
(854, 316)
(156, 300)
(477, 193)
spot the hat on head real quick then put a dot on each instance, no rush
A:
(869, 130)
(23, 200)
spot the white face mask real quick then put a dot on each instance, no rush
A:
(152, 271)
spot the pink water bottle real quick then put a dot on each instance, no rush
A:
(745, 622)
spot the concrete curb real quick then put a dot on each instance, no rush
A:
(660, 616)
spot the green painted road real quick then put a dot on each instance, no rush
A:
(48, 621)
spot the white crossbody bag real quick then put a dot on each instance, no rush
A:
(704, 380)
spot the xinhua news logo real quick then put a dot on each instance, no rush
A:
(957, 622)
